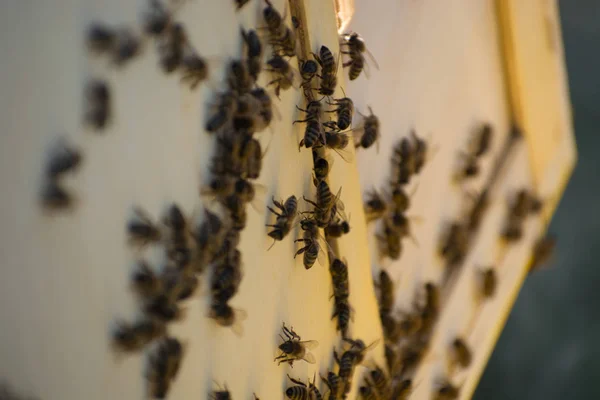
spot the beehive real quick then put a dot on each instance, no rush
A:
(444, 69)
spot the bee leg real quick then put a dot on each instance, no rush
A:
(347, 64)
(297, 382)
(274, 212)
(302, 250)
(310, 201)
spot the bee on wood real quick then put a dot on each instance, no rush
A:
(226, 316)
(292, 349)
(254, 52)
(314, 112)
(478, 210)
(144, 281)
(98, 100)
(221, 393)
(343, 312)
(454, 244)
(338, 141)
(488, 282)
(325, 204)
(482, 141)
(172, 47)
(366, 392)
(156, 19)
(283, 72)
(390, 243)
(225, 107)
(337, 228)
(355, 49)
(359, 348)
(141, 229)
(542, 251)
(312, 134)
(328, 65)
(344, 111)
(285, 219)
(163, 365)
(302, 391)
(391, 358)
(386, 292)
(308, 70)
(334, 384)
(100, 38)
(322, 166)
(339, 278)
(460, 353)
(346, 364)
(420, 151)
(524, 203)
(275, 24)
(65, 159)
(314, 244)
(400, 199)
(403, 162)
(375, 206)
(370, 131)
(178, 248)
(128, 337)
(446, 391)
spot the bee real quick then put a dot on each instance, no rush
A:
(359, 348)
(402, 389)
(460, 352)
(337, 228)
(469, 167)
(302, 391)
(194, 69)
(375, 206)
(285, 220)
(478, 210)
(314, 112)
(178, 248)
(343, 312)
(312, 134)
(122, 44)
(380, 382)
(322, 166)
(512, 230)
(238, 5)
(254, 52)
(128, 337)
(157, 19)
(173, 47)
(286, 45)
(542, 251)
(524, 203)
(328, 71)
(225, 106)
(390, 243)
(338, 141)
(326, 202)
(266, 107)
(144, 281)
(370, 131)
(274, 21)
(366, 392)
(386, 292)
(225, 315)
(488, 282)
(226, 279)
(344, 111)
(164, 308)
(391, 327)
(238, 77)
(447, 391)
(292, 349)
(421, 150)
(339, 278)
(63, 161)
(308, 70)
(334, 384)
(100, 38)
(314, 244)
(403, 162)
(221, 394)
(208, 237)
(400, 199)
(454, 244)
(346, 364)
(127, 47)
(482, 141)
(400, 224)
(356, 47)
(141, 229)
(283, 72)
(98, 98)
(251, 155)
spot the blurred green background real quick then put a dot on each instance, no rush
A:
(550, 346)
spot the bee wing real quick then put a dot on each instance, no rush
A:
(346, 155)
(310, 344)
(237, 327)
(372, 58)
(309, 358)
(258, 202)
(324, 251)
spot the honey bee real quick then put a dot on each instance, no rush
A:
(238, 5)
(286, 45)
(66, 159)
(344, 111)
(400, 224)
(274, 21)
(346, 364)
(339, 278)
(322, 166)
(403, 162)
(312, 134)
(164, 362)
(375, 206)
(314, 112)
(164, 308)
(542, 251)
(266, 107)
(454, 244)
(128, 337)
(391, 327)
(156, 19)
(302, 391)
(390, 243)
(380, 382)
(292, 349)
(446, 391)
(366, 392)
(314, 243)
(285, 220)
(254, 52)
(356, 47)
(386, 292)
(172, 48)
(460, 353)
(325, 204)
(478, 211)
(251, 156)
(328, 71)
(421, 150)
(337, 228)
(194, 70)
(221, 394)
(178, 248)
(225, 107)
(55, 197)
(482, 141)
(141, 229)
(144, 281)
(226, 280)
(308, 70)
(283, 72)
(338, 141)
(343, 312)
(122, 44)
(488, 282)
(524, 203)
(359, 348)
(225, 315)
(370, 131)
(208, 237)
(100, 38)
(334, 384)
(238, 77)
(98, 98)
